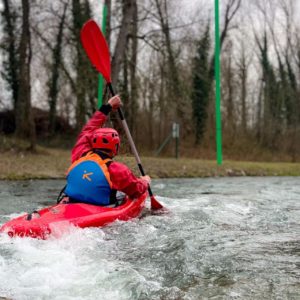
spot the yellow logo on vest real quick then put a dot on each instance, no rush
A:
(86, 175)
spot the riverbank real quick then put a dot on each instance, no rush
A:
(53, 163)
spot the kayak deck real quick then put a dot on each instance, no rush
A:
(55, 219)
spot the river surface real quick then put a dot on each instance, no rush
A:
(224, 238)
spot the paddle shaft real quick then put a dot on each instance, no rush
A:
(130, 139)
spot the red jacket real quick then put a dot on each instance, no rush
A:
(121, 176)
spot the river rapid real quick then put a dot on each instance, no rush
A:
(224, 238)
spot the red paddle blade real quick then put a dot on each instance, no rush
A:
(155, 204)
(96, 48)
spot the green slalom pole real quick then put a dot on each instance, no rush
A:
(101, 80)
(218, 86)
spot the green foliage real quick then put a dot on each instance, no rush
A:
(201, 85)
(269, 77)
(291, 90)
(279, 93)
(272, 100)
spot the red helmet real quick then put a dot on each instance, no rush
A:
(106, 138)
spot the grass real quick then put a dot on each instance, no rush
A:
(17, 163)
(53, 163)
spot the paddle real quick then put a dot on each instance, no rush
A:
(97, 50)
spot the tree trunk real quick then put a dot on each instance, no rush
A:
(175, 86)
(86, 77)
(11, 49)
(80, 109)
(132, 69)
(229, 98)
(119, 53)
(108, 25)
(24, 119)
(53, 91)
(243, 82)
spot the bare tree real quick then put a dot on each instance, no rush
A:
(229, 92)
(175, 90)
(107, 3)
(133, 68)
(10, 47)
(128, 8)
(24, 118)
(243, 65)
(56, 62)
(231, 9)
(86, 79)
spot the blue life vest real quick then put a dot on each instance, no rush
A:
(88, 180)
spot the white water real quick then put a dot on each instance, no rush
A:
(225, 238)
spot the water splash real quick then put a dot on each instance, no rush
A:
(225, 238)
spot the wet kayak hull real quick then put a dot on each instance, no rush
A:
(56, 219)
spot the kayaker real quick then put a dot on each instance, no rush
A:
(93, 176)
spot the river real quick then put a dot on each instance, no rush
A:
(224, 238)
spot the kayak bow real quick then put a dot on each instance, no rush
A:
(56, 219)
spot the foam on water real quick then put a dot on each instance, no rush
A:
(233, 238)
(82, 264)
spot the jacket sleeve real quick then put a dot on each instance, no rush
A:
(83, 143)
(125, 181)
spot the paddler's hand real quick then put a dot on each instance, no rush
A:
(146, 178)
(115, 102)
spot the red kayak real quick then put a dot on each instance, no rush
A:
(56, 219)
